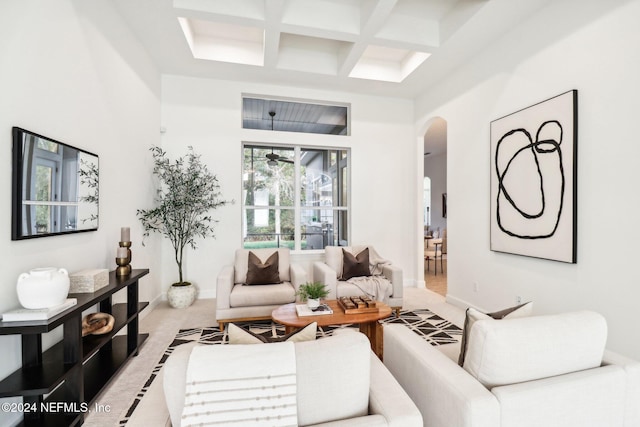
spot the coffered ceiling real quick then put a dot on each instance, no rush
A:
(384, 47)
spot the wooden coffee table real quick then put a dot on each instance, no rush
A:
(368, 322)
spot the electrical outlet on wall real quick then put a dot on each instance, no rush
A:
(518, 299)
(476, 287)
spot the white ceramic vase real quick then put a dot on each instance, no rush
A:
(313, 303)
(181, 296)
(43, 287)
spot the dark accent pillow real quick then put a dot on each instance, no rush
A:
(472, 315)
(259, 273)
(355, 266)
(238, 335)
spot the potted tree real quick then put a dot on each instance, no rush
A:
(187, 194)
(311, 292)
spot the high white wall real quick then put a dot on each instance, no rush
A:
(571, 44)
(92, 87)
(206, 114)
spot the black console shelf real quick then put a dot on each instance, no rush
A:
(75, 370)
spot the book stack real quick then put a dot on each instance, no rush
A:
(26, 314)
(304, 310)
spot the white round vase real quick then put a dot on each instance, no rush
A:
(43, 287)
(313, 303)
(181, 296)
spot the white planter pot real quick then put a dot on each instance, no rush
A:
(313, 303)
(43, 287)
(181, 296)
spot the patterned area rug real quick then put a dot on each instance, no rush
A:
(425, 323)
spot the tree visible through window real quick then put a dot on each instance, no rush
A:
(295, 197)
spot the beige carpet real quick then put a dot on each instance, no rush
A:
(163, 323)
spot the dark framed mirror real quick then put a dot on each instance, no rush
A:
(55, 187)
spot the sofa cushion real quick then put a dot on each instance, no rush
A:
(250, 296)
(238, 335)
(333, 256)
(263, 273)
(355, 265)
(524, 349)
(333, 378)
(472, 315)
(241, 262)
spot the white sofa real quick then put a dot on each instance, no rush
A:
(329, 272)
(533, 371)
(236, 301)
(340, 382)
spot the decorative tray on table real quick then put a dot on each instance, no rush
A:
(357, 305)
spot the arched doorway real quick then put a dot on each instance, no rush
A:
(435, 216)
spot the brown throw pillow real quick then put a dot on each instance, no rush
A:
(260, 273)
(355, 266)
(472, 315)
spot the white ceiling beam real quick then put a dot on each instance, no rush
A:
(273, 17)
(372, 18)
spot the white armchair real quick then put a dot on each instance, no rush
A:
(340, 382)
(330, 271)
(237, 301)
(548, 370)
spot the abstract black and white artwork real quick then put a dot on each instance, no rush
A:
(534, 180)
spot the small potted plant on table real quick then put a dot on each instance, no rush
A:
(311, 292)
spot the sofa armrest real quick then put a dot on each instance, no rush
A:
(174, 381)
(632, 370)
(394, 274)
(224, 285)
(387, 398)
(298, 275)
(324, 274)
(445, 394)
(591, 397)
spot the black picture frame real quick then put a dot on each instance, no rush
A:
(534, 178)
(444, 205)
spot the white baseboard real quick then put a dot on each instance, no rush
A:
(208, 294)
(410, 283)
(152, 304)
(460, 303)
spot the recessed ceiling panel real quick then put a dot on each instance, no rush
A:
(332, 15)
(310, 54)
(224, 42)
(387, 64)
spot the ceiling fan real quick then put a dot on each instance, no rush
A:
(274, 158)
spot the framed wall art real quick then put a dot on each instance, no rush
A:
(534, 180)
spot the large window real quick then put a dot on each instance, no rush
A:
(295, 197)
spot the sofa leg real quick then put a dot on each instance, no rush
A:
(397, 310)
(221, 326)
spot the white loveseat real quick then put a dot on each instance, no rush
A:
(237, 301)
(528, 372)
(329, 272)
(340, 382)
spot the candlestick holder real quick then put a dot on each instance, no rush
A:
(124, 263)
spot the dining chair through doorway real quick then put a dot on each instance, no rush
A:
(433, 251)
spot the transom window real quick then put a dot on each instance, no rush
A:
(295, 197)
(295, 115)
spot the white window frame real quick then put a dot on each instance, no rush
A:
(298, 207)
